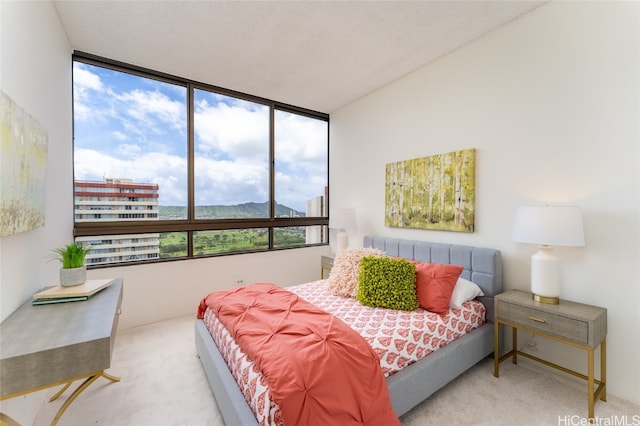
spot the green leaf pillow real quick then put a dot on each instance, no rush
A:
(386, 282)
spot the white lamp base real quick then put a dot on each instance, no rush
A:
(342, 240)
(545, 276)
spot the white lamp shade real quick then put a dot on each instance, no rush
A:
(342, 218)
(549, 226)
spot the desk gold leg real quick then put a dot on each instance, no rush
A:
(60, 392)
(77, 392)
(6, 420)
(72, 398)
(110, 377)
(590, 384)
(65, 387)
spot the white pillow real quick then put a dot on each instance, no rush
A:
(463, 291)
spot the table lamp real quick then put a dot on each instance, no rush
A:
(548, 226)
(342, 219)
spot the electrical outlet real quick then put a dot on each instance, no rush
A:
(239, 281)
(530, 343)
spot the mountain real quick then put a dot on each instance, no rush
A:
(246, 210)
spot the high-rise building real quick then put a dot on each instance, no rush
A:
(317, 207)
(117, 200)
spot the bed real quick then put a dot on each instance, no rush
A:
(415, 382)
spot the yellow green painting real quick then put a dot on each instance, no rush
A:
(436, 192)
(23, 157)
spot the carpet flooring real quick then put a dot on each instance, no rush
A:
(163, 383)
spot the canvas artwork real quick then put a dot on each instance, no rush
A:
(23, 156)
(436, 192)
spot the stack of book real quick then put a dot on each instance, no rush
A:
(59, 294)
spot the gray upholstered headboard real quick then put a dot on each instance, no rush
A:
(481, 265)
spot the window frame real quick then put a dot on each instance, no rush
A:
(191, 224)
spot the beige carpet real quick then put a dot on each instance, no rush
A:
(163, 384)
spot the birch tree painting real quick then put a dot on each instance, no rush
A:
(436, 192)
(23, 157)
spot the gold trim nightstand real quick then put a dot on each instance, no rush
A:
(575, 324)
(326, 263)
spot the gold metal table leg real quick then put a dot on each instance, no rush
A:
(603, 369)
(60, 392)
(110, 377)
(496, 348)
(599, 393)
(514, 338)
(77, 392)
(590, 383)
(6, 420)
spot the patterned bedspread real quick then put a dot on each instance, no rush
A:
(398, 337)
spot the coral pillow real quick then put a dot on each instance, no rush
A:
(343, 279)
(387, 283)
(434, 285)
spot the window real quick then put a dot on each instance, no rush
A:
(231, 157)
(167, 168)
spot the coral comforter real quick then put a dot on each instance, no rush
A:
(319, 370)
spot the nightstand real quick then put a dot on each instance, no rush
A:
(575, 324)
(326, 263)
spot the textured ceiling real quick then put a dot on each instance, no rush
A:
(320, 55)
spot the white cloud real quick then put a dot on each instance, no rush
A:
(128, 151)
(218, 182)
(235, 131)
(147, 108)
(300, 141)
(231, 182)
(168, 171)
(85, 79)
(119, 135)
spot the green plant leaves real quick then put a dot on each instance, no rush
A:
(71, 255)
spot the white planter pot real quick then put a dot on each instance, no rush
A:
(73, 276)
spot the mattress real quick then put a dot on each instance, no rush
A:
(398, 337)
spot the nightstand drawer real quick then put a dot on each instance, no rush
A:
(574, 322)
(571, 329)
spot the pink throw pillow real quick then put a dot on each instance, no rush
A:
(434, 285)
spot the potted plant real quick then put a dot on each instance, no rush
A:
(73, 271)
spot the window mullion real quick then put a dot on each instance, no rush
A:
(272, 168)
(191, 209)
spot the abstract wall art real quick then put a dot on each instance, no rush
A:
(23, 157)
(436, 192)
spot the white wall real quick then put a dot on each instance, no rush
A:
(35, 72)
(160, 291)
(550, 102)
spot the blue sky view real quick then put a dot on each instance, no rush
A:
(131, 127)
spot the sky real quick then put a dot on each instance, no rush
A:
(131, 127)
